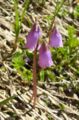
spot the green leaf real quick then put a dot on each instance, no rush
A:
(29, 54)
(26, 74)
(62, 106)
(25, 6)
(17, 18)
(50, 74)
(76, 12)
(4, 102)
(74, 42)
(72, 39)
(42, 75)
(17, 60)
(71, 31)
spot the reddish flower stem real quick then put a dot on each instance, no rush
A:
(34, 96)
(57, 9)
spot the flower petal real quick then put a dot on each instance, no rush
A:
(45, 59)
(33, 36)
(55, 38)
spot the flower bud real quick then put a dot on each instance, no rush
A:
(33, 36)
(55, 39)
(45, 59)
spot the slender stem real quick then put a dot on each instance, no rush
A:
(57, 9)
(34, 77)
(15, 45)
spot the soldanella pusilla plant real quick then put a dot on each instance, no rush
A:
(40, 47)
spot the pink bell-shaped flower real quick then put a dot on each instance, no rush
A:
(45, 59)
(33, 36)
(55, 39)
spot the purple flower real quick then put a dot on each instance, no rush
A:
(45, 59)
(33, 36)
(55, 38)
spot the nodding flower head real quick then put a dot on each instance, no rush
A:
(45, 59)
(33, 37)
(55, 39)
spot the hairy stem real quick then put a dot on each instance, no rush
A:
(15, 45)
(57, 9)
(34, 77)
